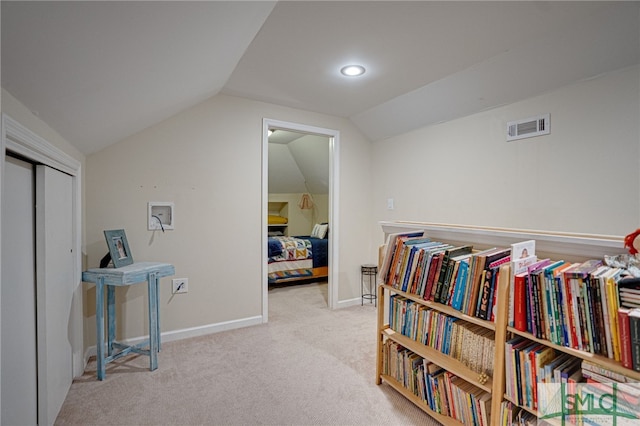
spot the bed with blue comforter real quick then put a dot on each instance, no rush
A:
(297, 258)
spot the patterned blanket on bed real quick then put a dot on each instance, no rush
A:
(289, 248)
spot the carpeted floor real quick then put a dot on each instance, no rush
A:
(307, 366)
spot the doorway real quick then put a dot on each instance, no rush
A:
(333, 138)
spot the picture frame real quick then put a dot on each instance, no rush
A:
(118, 247)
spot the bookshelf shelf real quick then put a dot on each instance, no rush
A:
(445, 420)
(438, 358)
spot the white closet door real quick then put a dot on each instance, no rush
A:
(54, 266)
(19, 358)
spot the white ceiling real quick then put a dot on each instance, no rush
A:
(98, 72)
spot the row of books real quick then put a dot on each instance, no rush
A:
(456, 276)
(570, 304)
(442, 391)
(528, 363)
(512, 415)
(469, 343)
(578, 377)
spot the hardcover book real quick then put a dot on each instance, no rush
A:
(445, 271)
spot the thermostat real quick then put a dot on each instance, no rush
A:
(161, 216)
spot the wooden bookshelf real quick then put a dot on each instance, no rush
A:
(555, 245)
(493, 385)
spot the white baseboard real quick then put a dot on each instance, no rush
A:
(350, 302)
(170, 336)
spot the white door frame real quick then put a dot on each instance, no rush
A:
(17, 138)
(334, 143)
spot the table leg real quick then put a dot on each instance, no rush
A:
(100, 328)
(153, 322)
(157, 280)
(111, 318)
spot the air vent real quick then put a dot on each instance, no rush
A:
(528, 128)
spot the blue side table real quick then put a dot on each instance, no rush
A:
(138, 272)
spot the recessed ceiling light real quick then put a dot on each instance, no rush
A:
(352, 70)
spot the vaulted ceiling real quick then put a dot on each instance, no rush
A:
(97, 72)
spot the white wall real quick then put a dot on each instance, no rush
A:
(208, 161)
(20, 113)
(584, 177)
(301, 222)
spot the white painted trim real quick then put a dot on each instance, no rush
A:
(551, 242)
(19, 139)
(334, 209)
(23, 141)
(2, 159)
(348, 303)
(186, 333)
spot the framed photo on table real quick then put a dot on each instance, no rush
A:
(118, 247)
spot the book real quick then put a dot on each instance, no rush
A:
(629, 292)
(603, 371)
(562, 334)
(634, 333)
(523, 249)
(551, 298)
(391, 258)
(412, 246)
(434, 272)
(534, 270)
(487, 280)
(477, 265)
(488, 283)
(422, 271)
(601, 278)
(518, 265)
(599, 318)
(392, 244)
(461, 284)
(446, 269)
(611, 278)
(625, 337)
(455, 276)
(577, 278)
(520, 301)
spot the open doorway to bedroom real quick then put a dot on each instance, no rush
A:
(299, 191)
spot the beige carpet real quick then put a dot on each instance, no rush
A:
(307, 366)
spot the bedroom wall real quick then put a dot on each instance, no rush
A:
(584, 177)
(207, 160)
(301, 221)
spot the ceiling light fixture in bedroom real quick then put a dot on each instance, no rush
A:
(352, 70)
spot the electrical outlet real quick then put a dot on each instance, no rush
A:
(180, 285)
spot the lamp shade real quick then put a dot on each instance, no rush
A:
(305, 203)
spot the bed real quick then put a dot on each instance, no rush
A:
(299, 258)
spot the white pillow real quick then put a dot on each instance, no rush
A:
(319, 231)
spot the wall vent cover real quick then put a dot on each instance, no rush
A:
(528, 127)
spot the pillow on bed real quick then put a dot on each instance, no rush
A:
(319, 231)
